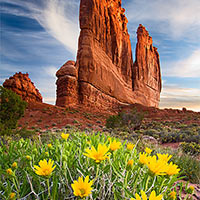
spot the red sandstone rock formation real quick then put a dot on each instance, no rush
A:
(21, 84)
(147, 75)
(67, 85)
(106, 75)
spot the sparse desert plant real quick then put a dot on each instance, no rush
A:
(190, 167)
(190, 148)
(132, 120)
(12, 108)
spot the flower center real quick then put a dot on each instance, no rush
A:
(98, 156)
(82, 190)
(46, 172)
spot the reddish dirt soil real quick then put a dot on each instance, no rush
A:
(45, 116)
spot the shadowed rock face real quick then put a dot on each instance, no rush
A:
(21, 84)
(105, 74)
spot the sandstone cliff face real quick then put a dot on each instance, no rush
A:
(147, 75)
(21, 84)
(106, 75)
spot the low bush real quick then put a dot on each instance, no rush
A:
(190, 167)
(131, 120)
(191, 148)
(12, 108)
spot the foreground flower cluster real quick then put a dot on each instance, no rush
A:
(158, 165)
(93, 166)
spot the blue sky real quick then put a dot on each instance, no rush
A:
(39, 36)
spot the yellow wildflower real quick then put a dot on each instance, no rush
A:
(14, 165)
(98, 155)
(157, 167)
(28, 157)
(137, 197)
(64, 136)
(130, 163)
(143, 158)
(9, 171)
(154, 197)
(12, 195)
(148, 150)
(49, 145)
(190, 190)
(144, 196)
(130, 146)
(164, 157)
(47, 153)
(82, 188)
(172, 195)
(191, 187)
(45, 168)
(115, 145)
(172, 169)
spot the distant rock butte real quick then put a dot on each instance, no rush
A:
(104, 74)
(21, 84)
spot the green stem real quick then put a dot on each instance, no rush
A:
(161, 185)
(49, 194)
(135, 181)
(97, 173)
(147, 181)
(152, 184)
(125, 181)
(186, 197)
(15, 183)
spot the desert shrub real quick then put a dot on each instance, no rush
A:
(113, 121)
(190, 167)
(180, 136)
(132, 120)
(11, 109)
(191, 148)
(152, 132)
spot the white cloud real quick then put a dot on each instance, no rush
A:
(173, 96)
(55, 21)
(188, 67)
(58, 17)
(176, 18)
(50, 71)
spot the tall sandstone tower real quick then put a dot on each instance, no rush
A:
(104, 74)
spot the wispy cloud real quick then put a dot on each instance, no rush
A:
(53, 18)
(175, 18)
(58, 17)
(187, 67)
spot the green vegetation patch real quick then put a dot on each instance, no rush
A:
(53, 166)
